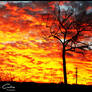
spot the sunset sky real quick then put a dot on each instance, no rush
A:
(26, 56)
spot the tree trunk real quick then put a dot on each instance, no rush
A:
(64, 65)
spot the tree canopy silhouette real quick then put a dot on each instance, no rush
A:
(71, 29)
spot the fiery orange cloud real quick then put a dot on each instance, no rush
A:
(26, 56)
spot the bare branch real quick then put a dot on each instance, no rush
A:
(69, 15)
(58, 38)
(75, 37)
(83, 47)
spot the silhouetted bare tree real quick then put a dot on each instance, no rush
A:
(70, 29)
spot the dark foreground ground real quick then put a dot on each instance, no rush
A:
(28, 86)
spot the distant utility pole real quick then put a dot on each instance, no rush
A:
(76, 74)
